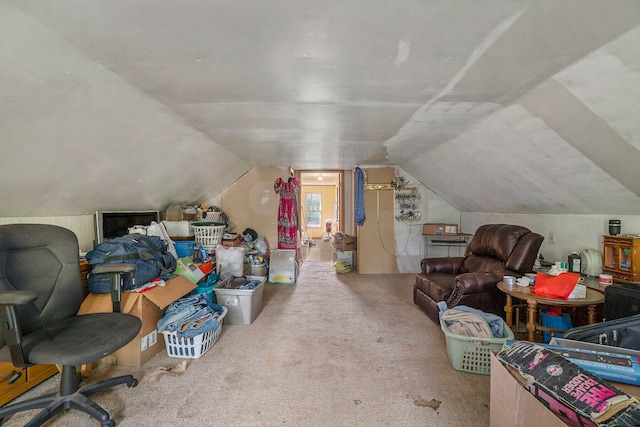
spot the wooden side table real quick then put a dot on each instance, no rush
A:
(593, 299)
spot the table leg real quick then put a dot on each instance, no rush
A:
(507, 311)
(531, 319)
(591, 314)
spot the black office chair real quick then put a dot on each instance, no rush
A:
(40, 294)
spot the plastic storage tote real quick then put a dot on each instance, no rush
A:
(244, 305)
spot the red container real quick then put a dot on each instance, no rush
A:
(206, 267)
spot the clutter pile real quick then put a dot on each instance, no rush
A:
(196, 243)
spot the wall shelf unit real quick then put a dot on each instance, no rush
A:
(407, 200)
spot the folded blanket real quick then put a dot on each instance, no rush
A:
(465, 323)
(494, 322)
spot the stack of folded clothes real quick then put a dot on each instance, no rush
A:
(190, 316)
(242, 283)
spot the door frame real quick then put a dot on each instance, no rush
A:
(340, 193)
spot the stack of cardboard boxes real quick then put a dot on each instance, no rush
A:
(344, 249)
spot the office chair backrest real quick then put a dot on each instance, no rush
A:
(44, 259)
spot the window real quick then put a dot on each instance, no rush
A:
(313, 210)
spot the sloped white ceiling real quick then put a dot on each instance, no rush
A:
(498, 106)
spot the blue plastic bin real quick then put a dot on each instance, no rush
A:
(550, 320)
(185, 248)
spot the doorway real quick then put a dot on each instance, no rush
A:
(321, 211)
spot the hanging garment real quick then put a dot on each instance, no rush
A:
(359, 198)
(287, 212)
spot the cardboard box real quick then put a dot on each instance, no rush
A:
(348, 257)
(512, 405)
(440, 229)
(572, 393)
(148, 306)
(229, 242)
(342, 242)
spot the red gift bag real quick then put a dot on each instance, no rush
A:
(559, 286)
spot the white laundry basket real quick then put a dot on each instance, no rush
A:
(208, 234)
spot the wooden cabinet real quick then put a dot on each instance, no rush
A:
(622, 258)
(31, 376)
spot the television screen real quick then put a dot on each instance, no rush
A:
(117, 223)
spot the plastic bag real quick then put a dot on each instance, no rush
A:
(230, 261)
(559, 286)
(341, 267)
(261, 245)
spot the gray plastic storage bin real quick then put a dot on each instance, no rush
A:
(243, 305)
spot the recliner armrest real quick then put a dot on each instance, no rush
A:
(471, 283)
(450, 265)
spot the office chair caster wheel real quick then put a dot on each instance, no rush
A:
(133, 383)
(110, 423)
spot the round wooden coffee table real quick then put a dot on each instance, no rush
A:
(523, 293)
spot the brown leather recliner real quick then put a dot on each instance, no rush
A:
(495, 250)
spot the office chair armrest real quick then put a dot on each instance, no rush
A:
(116, 271)
(114, 268)
(17, 297)
(10, 328)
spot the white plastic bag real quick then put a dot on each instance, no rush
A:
(261, 245)
(230, 261)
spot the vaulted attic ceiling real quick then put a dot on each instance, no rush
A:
(507, 106)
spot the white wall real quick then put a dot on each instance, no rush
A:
(410, 245)
(348, 222)
(570, 233)
(81, 225)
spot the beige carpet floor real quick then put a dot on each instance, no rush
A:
(331, 350)
(317, 250)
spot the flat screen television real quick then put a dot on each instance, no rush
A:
(117, 223)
